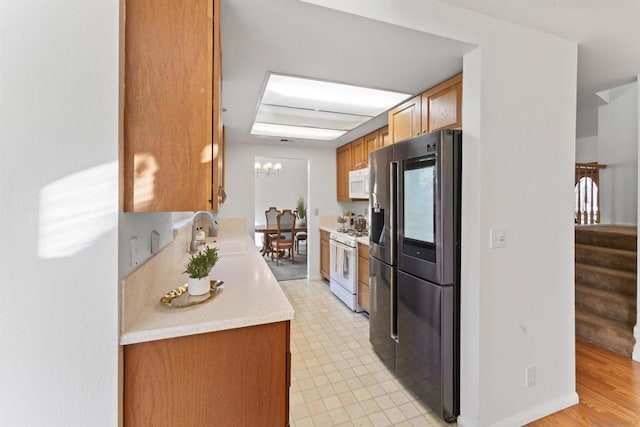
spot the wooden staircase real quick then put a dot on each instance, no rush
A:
(606, 286)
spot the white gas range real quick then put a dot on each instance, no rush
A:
(343, 266)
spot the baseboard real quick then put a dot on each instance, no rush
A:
(318, 277)
(463, 422)
(528, 415)
(636, 348)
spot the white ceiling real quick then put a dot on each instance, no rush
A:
(292, 37)
(607, 32)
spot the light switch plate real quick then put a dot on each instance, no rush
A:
(496, 238)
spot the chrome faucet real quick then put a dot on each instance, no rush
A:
(213, 229)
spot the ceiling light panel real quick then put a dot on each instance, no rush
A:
(309, 118)
(297, 107)
(328, 96)
(270, 129)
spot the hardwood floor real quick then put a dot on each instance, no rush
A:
(609, 390)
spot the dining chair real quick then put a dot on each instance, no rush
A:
(300, 236)
(271, 215)
(284, 238)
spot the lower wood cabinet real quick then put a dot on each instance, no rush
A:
(237, 377)
(363, 276)
(324, 254)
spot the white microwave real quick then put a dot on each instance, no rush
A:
(359, 184)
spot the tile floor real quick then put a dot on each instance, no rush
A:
(337, 380)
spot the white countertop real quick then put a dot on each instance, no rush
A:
(251, 294)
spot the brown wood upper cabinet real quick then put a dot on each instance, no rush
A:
(371, 143)
(359, 154)
(343, 166)
(383, 137)
(405, 120)
(437, 108)
(217, 183)
(172, 123)
(355, 155)
(442, 106)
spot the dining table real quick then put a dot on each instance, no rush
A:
(268, 230)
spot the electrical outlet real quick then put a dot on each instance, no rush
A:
(134, 244)
(496, 238)
(530, 379)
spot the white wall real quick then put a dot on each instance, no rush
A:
(240, 187)
(517, 302)
(359, 207)
(280, 190)
(59, 207)
(141, 225)
(587, 149)
(618, 149)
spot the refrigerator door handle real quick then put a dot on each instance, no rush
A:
(393, 309)
(393, 209)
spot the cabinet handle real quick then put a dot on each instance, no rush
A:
(222, 195)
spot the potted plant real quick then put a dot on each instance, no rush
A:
(342, 221)
(198, 269)
(302, 211)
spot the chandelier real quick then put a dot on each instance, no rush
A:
(268, 168)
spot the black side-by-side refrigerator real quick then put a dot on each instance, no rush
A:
(414, 265)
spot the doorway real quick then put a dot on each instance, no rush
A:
(280, 183)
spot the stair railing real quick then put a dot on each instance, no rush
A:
(587, 184)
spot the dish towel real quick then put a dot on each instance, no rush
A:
(345, 263)
(339, 260)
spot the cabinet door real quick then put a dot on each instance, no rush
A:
(372, 143)
(217, 185)
(324, 254)
(442, 105)
(404, 120)
(383, 137)
(363, 276)
(359, 154)
(168, 101)
(343, 166)
(236, 377)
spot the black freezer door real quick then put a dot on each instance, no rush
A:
(381, 300)
(426, 358)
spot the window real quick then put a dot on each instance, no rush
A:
(587, 210)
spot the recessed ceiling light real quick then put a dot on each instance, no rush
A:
(316, 109)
